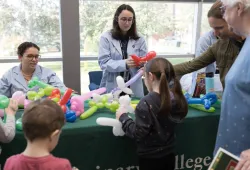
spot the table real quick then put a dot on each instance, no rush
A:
(89, 146)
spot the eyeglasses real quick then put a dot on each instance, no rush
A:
(129, 20)
(31, 56)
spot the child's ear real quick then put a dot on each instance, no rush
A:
(55, 133)
(151, 76)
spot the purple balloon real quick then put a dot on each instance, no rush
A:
(132, 80)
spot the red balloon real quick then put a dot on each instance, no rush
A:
(150, 55)
(66, 97)
(64, 108)
(55, 91)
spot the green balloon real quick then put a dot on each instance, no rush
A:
(48, 90)
(19, 125)
(104, 99)
(100, 105)
(115, 104)
(91, 103)
(108, 105)
(31, 95)
(41, 92)
(113, 109)
(4, 102)
(37, 97)
(55, 99)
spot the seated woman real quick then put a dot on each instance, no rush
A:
(116, 45)
(16, 78)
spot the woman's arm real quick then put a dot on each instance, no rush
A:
(5, 85)
(105, 59)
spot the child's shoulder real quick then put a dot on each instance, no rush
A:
(61, 161)
(14, 157)
(150, 97)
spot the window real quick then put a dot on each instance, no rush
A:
(29, 20)
(167, 27)
(204, 22)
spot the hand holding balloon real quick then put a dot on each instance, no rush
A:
(150, 55)
(12, 107)
(125, 106)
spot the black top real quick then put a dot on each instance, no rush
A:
(153, 130)
(124, 45)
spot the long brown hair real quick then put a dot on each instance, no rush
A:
(116, 31)
(164, 72)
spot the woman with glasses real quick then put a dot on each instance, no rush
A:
(16, 78)
(115, 48)
(234, 126)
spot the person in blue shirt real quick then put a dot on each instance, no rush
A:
(17, 78)
(234, 125)
(116, 46)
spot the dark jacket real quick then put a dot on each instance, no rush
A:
(154, 131)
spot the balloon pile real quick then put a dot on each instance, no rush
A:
(99, 102)
(72, 104)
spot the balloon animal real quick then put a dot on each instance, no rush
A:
(150, 55)
(116, 124)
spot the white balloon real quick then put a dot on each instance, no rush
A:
(125, 103)
(116, 124)
(120, 82)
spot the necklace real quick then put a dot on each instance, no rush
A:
(27, 77)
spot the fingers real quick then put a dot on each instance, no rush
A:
(13, 105)
(245, 154)
(130, 62)
(240, 164)
(246, 165)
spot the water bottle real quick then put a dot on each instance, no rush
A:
(209, 82)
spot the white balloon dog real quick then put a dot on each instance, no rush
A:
(116, 124)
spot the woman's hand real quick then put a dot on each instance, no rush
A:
(130, 63)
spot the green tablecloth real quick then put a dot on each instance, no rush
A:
(89, 146)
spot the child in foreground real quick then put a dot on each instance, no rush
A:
(42, 123)
(156, 117)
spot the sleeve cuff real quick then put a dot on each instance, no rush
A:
(124, 118)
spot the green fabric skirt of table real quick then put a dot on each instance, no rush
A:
(90, 146)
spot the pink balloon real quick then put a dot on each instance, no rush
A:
(26, 103)
(19, 96)
(77, 102)
(1, 112)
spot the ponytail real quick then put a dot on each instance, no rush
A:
(181, 101)
(164, 93)
(168, 85)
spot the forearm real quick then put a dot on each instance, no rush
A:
(7, 130)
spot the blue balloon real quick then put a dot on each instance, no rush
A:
(207, 100)
(70, 116)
